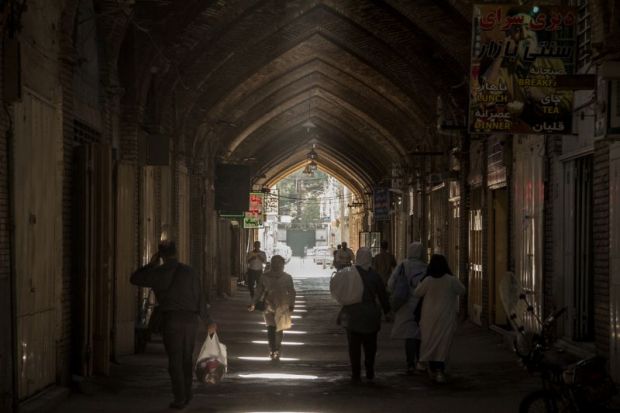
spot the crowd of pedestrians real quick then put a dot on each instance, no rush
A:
(425, 317)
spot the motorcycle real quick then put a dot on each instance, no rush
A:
(568, 384)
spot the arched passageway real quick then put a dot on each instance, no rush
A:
(125, 122)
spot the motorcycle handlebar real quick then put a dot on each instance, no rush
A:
(554, 316)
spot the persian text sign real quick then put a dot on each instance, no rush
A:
(272, 202)
(256, 202)
(252, 220)
(518, 53)
(381, 203)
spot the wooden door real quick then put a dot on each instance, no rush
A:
(614, 260)
(476, 233)
(150, 236)
(498, 259)
(37, 202)
(93, 281)
(125, 259)
(183, 211)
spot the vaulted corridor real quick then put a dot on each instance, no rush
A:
(174, 136)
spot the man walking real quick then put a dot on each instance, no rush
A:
(181, 300)
(344, 257)
(384, 262)
(256, 259)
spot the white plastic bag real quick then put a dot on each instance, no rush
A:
(212, 361)
(346, 286)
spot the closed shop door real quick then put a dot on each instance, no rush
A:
(150, 235)
(37, 177)
(183, 211)
(475, 256)
(125, 259)
(93, 281)
(529, 193)
(438, 242)
(614, 259)
(578, 247)
(498, 257)
(453, 236)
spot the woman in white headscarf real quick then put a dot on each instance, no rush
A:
(276, 289)
(363, 320)
(406, 325)
(440, 290)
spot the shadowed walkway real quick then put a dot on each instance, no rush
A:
(484, 376)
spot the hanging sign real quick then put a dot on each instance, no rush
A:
(256, 202)
(272, 202)
(520, 54)
(252, 220)
(381, 203)
(255, 217)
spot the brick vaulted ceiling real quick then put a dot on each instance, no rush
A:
(252, 72)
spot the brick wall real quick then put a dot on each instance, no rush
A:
(553, 148)
(68, 59)
(6, 338)
(485, 316)
(601, 245)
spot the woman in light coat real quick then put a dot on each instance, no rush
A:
(405, 324)
(278, 292)
(440, 290)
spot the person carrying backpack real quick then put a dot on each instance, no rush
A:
(401, 284)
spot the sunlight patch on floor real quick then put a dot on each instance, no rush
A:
(278, 376)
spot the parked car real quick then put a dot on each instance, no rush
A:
(284, 251)
(323, 255)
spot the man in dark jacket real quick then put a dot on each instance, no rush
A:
(181, 300)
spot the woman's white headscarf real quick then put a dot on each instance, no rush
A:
(363, 258)
(415, 250)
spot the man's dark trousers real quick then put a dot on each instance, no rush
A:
(356, 342)
(253, 278)
(179, 338)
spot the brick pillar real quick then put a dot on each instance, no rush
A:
(197, 221)
(601, 245)
(464, 222)
(486, 197)
(7, 308)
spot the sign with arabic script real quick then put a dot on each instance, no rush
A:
(272, 202)
(252, 220)
(256, 202)
(255, 216)
(381, 204)
(518, 54)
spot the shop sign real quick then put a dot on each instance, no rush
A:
(381, 203)
(272, 202)
(256, 202)
(252, 220)
(255, 215)
(520, 57)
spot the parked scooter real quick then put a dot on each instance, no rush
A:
(568, 385)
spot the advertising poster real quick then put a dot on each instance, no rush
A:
(255, 216)
(272, 202)
(252, 220)
(381, 203)
(256, 202)
(518, 54)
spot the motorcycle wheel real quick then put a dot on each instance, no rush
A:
(542, 401)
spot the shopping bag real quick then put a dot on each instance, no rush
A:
(346, 286)
(212, 362)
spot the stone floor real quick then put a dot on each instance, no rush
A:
(484, 375)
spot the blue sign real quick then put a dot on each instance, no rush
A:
(381, 203)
